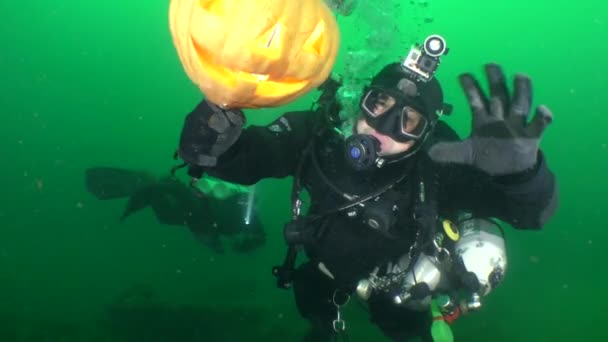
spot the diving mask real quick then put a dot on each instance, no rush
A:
(393, 114)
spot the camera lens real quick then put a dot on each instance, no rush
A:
(434, 46)
(428, 64)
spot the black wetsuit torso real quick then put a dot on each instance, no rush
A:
(349, 248)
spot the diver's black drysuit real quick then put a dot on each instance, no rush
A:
(347, 247)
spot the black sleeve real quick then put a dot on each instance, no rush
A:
(525, 202)
(266, 151)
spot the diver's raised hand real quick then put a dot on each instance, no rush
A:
(502, 141)
(209, 131)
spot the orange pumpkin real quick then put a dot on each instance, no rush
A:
(254, 53)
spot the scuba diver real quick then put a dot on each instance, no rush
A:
(210, 219)
(401, 212)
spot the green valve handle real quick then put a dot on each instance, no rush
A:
(440, 329)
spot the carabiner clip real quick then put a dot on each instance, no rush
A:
(339, 324)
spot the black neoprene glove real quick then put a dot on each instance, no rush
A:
(502, 142)
(209, 131)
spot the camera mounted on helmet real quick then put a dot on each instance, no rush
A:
(423, 60)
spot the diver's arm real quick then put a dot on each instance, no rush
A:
(266, 151)
(508, 176)
(525, 200)
(531, 197)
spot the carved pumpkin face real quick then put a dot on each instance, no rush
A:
(254, 53)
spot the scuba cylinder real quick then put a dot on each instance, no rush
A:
(481, 255)
(419, 284)
(475, 260)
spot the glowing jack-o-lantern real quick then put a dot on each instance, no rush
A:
(254, 53)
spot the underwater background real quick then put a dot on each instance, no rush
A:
(98, 83)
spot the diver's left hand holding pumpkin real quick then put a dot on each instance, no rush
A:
(254, 53)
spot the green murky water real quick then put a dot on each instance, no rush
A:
(99, 83)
